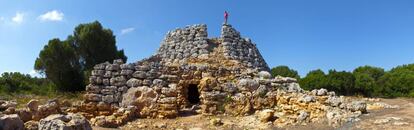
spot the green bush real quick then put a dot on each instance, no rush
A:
(315, 79)
(365, 80)
(15, 82)
(284, 71)
(398, 82)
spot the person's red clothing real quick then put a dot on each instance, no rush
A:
(226, 15)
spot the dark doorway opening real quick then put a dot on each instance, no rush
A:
(193, 94)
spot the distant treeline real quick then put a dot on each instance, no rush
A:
(366, 81)
(17, 83)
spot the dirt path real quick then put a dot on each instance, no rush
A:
(401, 118)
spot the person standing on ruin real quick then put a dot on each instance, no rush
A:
(226, 16)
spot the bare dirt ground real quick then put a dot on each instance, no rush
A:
(401, 118)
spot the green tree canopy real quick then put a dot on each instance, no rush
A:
(315, 79)
(374, 72)
(67, 63)
(59, 62)
(284, 71)
(95, 44)
(341, 82)
(399, 81)
(366, 78)
(15, 82)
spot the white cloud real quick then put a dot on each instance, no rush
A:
(127, 30)
(18, 18)
(53, 15)
(1, 19)
(34, 73)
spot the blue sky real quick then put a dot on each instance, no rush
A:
(303, 34)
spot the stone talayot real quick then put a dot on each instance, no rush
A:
(227, 73)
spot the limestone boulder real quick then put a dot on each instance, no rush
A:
(31, 125)
(24, 114)
(33, 105)
(357, 106)
(264, 75)
(6, 104)
(238, 105)
(64, 122)
(133, 82)
(293, 88)
(11, 122)
(248, 84)
(265, 115)
(140, 97)
(302, 116)
(51, 107)
(334, 101)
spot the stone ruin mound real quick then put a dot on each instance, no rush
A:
(224, 75)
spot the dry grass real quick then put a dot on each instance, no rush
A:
(22, 99)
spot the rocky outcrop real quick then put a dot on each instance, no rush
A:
(64, 122)
(241, 49)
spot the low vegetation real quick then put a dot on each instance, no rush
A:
(366, 81)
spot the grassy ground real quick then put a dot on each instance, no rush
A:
(23, 98)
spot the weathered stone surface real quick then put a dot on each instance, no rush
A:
(31, 125)
(265, 115)
(357, 106)
(302, 116)
(139, 74)
(216, 122)
(248, 85)
(6, 104)
(119, 117)
(51, 107)
(264, 75)
(140, 97)
(24, 114)
(64, 122)
(11, 122)
(134, 82)
(93, 97)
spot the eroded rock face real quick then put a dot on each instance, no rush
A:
(64, 122)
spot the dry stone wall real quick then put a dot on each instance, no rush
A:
(181, 44)
(109, 81)
(241, 49)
